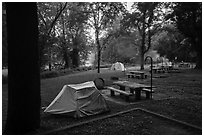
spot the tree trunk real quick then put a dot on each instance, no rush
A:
(65, 54)
(99, 59)
(142, 62)
(50, 57)
(23, 115)
(66, 58)
(142, 52)
(143, 42)
(75, 57)
(99, 51)
(50, 66)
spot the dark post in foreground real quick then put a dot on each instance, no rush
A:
(23, 115)
(151, 72)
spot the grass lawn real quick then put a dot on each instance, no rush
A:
(182, 90)
(52, 86)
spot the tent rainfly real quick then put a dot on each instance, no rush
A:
(118, 66)
(78, 100)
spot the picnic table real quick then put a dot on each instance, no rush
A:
(140, 74)
(135, 88)
(162, 69)
(158, 70)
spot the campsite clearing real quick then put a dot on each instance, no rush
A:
(78, 100)
(178, 96)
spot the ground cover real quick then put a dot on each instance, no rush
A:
(184, 91)
(52, 86)
(132, 123)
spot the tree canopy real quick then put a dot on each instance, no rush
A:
(70, 31)
(188, 19)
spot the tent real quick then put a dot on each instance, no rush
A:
(118, 66)
(78, 100)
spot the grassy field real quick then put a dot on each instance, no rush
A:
(52, 86)
(178, 95)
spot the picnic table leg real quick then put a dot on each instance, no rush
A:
(137, 94)
(112, 93)
(122, 88)
(142, 76)
(148, 94)
(131, 90)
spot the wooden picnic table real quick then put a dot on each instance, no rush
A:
(134, 87)
(141, 73)
(157, 70)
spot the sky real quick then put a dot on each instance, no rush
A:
(129, 4)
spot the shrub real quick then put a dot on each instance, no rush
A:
(89, 68)
(114, 78)
(106, 66)
(49, 74)
(66, 71)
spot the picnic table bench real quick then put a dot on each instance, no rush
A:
(136, 74)
(134, 89)
(158, 70)
(130, 75)
(126, 94)
(148, 92)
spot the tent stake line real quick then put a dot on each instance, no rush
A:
(123, 112)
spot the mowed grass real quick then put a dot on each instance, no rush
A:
(184, 102)
(186, 87)
(52, 86)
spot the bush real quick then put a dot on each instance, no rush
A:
(114, 78)
(106, 66)
(66, 71)
(49, 74)
(89, 68)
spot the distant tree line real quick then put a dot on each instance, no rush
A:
(69, 32)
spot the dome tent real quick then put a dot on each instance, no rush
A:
(118, 66)
(78, 100)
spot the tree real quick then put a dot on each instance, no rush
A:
(23, 114)
(120, 46)
(188, 18)
(76, 21)
(168, 43)
(145, 19)
(102, 15)
(67, 42)
(49, 13)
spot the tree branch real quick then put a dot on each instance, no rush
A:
(56, 17)
(41, 16)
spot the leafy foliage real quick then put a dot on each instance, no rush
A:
(63, 36)
(146, 20)
(121, 47)
(49, 14)
(102, 16)
(188, 18)
(173, 45)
